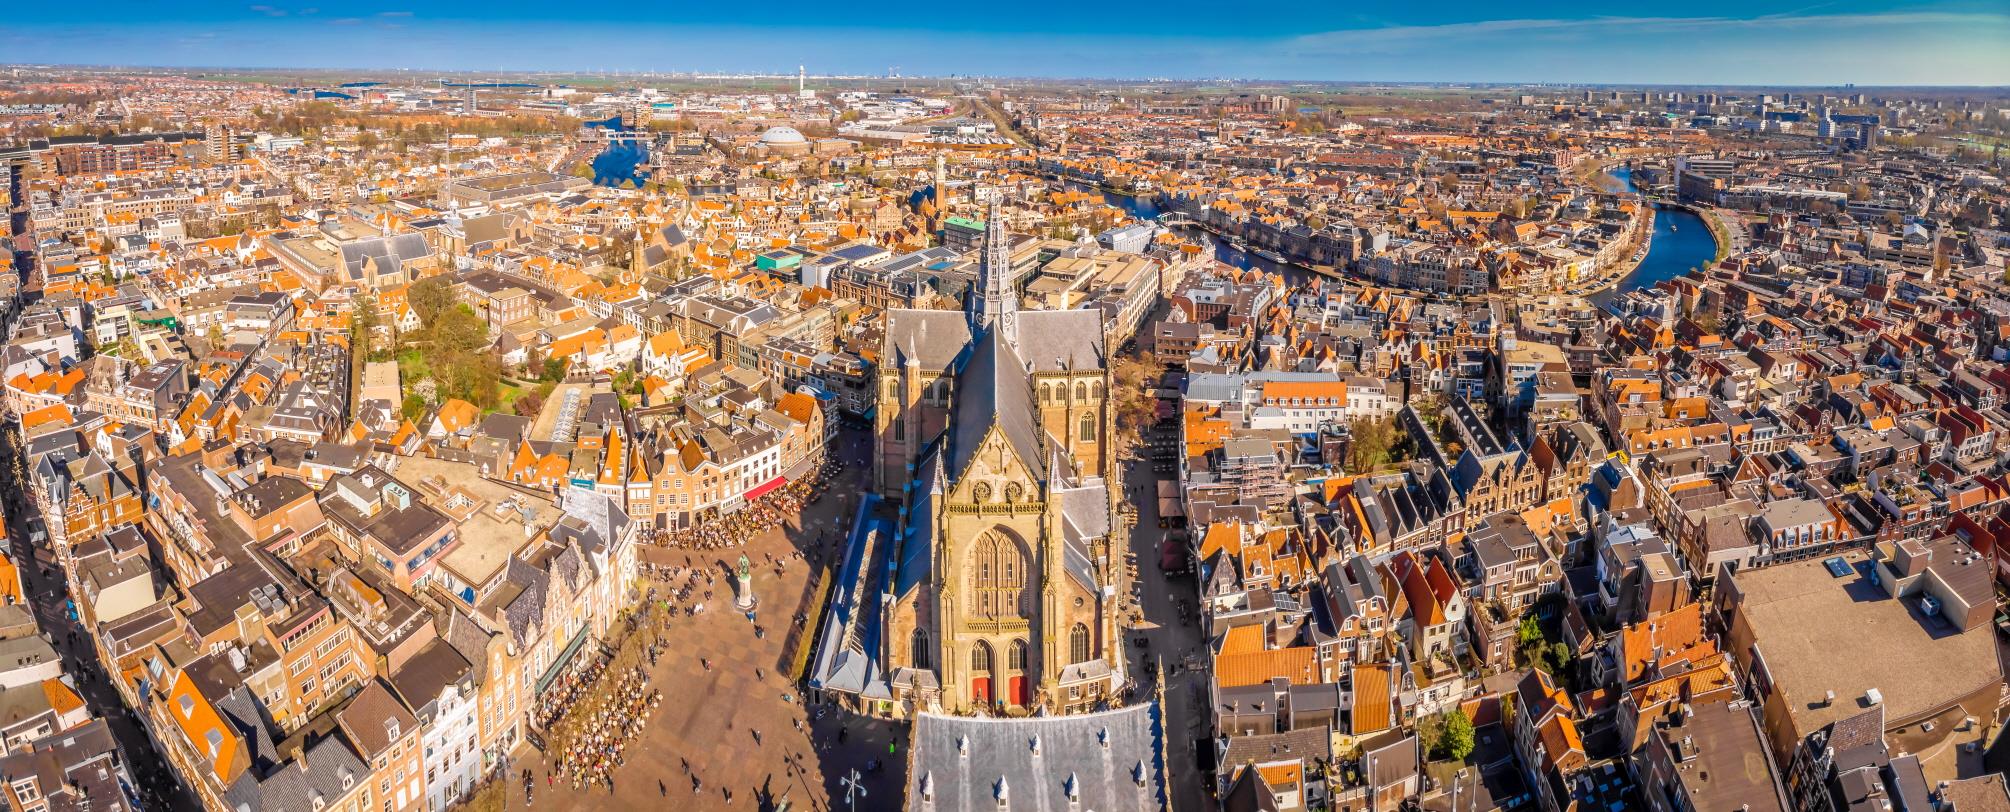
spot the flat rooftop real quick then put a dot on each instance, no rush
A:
(1820, 633)
(491, 516)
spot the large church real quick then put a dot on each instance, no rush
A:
(993, 438)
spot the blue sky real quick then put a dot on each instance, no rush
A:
(1866, 42)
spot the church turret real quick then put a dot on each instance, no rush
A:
(997, 302)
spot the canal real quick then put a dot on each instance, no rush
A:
(622, 161)
(1682, 241)
(1147, 208)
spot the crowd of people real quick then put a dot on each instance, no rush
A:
(764, 513)
(595, 750)
(686, 598)
(566, 690)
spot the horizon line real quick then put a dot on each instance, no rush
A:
(861, 77)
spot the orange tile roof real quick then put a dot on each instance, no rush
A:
(1371, 699)
(1672, 637)
(198, 720)
(1559, 738)
(457, 414)
(57, 413)
(1242, 639)
(1300, 664)
(61, 698)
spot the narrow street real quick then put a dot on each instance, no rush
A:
(42, 580)
(1174, 643)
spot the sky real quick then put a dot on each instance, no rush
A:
(1721, 42)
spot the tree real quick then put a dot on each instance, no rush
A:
(1529, 632)
(528, 404)
(459, 331)
(1559, 658)
(1134, 382)
(1430, 733)
(1373, 437)
(362, 326)
(429, 297)
(554, 369)
(1455, 735)
(1431, 409)
(414, 406)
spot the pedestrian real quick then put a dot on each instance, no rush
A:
(662, 788)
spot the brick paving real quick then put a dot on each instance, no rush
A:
(708, 719)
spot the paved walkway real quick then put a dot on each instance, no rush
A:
(734, 727)
(1171, 638)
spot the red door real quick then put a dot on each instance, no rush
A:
(980, 690)
(1015, 687)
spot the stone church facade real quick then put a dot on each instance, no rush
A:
(992, 437)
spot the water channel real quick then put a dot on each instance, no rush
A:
(621, 161)
(1681, 241)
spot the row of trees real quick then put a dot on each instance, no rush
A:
(448, 355)
(1134, 395)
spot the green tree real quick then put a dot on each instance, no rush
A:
(414, 407)
(1455, 735)
(1559, 659)
(1430, 731)
(1529, 632)
(554, 369)
(362, 326)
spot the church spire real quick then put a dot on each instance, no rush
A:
(996, 302)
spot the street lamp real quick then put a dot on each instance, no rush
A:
(851, 787)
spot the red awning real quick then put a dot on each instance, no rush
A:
(764, 487)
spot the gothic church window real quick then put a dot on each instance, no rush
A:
(998, 585)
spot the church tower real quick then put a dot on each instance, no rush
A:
(997, 301)
(993, 431)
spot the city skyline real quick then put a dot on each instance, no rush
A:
(1863, 42)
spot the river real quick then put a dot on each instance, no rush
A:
(620, 161)
(1681, 241)
(1147, 208)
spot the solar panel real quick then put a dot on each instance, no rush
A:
(1838, 567)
